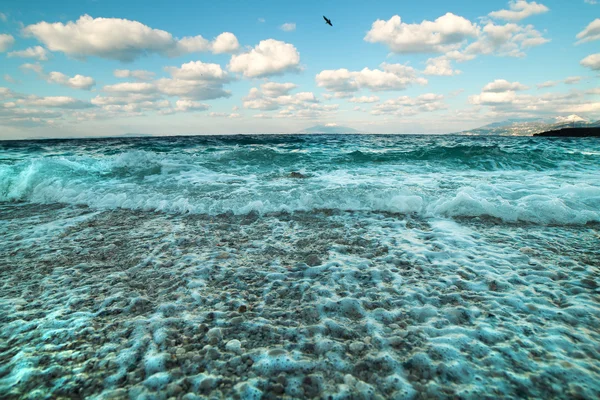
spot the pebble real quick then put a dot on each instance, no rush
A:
(313, 260)
(223, 256)
(357, 347)
(214, 333)
(234, 346)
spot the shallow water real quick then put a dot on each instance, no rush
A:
(388, 267)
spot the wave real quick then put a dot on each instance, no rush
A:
(223, 180)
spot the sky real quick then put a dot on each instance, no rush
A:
(107, 67)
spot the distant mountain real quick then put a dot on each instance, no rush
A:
(530, 126)
(328, 128)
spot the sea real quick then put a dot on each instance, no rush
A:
(300, 267)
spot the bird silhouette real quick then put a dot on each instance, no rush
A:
(327, 21)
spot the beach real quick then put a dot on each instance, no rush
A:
(358, 267)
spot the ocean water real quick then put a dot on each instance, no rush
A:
(335, 266)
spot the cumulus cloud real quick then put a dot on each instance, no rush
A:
(37, 68)
(364, 99)
(592, 61)
(547, 84)
(390, 77)
(440, 66)
(6, 42)
(276, 96)
(120, 39)
(37, 52)
(226, 42)
(274, 89)
(288, 27)
(197, 70)
(139, 74)
(456, 37)
(505, 40)
(502, 85)
(510, 103)
(590, 33)
(442, 35)
(188, 105)
(272, 96)
(409, 106)
(270, 57)
(519, 9)
(571, 80)
(224, 115)
(53, 102)
(76, 82)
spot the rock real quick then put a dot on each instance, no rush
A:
(277, 389)
(174, 389)
(243, 308)
(357, 347)
(215, 333)
(223, 256)
(297, 175)
(313, 260)
(207, 384)
(235, 346)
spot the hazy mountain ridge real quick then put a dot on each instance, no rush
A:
(530, 126)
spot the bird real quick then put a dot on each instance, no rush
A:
(327, 21)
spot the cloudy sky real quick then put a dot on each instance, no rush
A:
(108, 67)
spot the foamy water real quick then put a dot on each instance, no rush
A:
(300, 267)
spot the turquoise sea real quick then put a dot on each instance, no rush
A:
(311, 266)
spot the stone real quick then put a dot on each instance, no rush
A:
(235, 346)
(356, 347)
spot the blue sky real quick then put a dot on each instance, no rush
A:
(234, 67)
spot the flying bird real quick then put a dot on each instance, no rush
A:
(327, 21)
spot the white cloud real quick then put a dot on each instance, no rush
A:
(590, 33)
(226, 42)
(592, 61)
(269, 57)
(131, 87)
(442, 35)
(120, 39)
(519, 9)
(3, 17)
(510, 103)
(288, 27)
(54, 102)
(9, 78)
(440, 66)
(275, 96)
(191, 90)
(198, 71)
(506, 40)
(76, 82)
(547, 84)
(571, 80)
(364, 99)
(136, 74)
(37, 52)
(6, 42)
(392, 77)
(273, 89)
(409, 106)
(591, 1)
(188, 105)
(37, 68)
(272, 96)
(261, 20)
(502, 85)
(224, 115)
